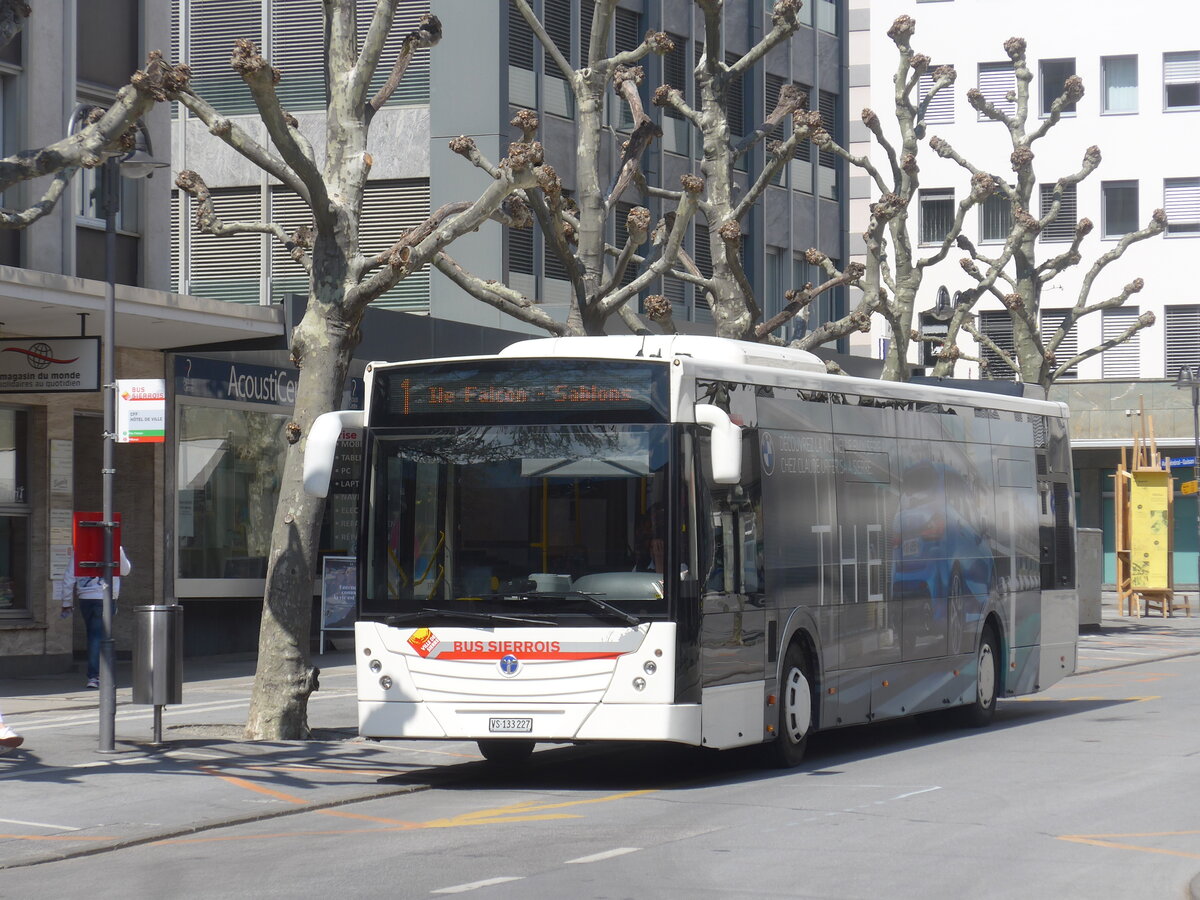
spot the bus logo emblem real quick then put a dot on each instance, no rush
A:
(509, 665)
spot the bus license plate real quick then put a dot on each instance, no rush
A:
(510, 726)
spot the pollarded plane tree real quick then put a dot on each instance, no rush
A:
(342, 283)
(893, 271)
(724, 203)
(1015, 276)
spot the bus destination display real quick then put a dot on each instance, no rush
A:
(522, 387)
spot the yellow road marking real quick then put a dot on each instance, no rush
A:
(1099, 840)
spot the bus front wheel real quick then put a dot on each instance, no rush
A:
(795, 710)
(505, 752)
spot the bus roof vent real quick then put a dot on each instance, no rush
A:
(667, 346)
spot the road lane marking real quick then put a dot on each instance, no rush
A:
(475, 885)
(40, 825)
(1099, 840)
(607, 854)
(921, 791)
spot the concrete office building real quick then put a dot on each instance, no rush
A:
(1142, 108)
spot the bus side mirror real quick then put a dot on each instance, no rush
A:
(321, 446)
(726, 444)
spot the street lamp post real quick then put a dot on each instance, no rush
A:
(137, 163)
(1189, 377)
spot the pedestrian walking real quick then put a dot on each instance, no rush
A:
(9, 739)
(89, 590)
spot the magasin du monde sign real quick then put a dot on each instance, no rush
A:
(41, 365)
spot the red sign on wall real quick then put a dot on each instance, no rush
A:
(88, 541)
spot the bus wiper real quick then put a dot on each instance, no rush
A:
(627, 618)
(461, 615)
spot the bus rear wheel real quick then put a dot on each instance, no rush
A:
(987, 682)
(505, 752)
(795, 711)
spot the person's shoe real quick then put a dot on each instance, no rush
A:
(9, 739)
(94, 683)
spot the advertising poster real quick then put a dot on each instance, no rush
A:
(1150, 529)
(339, 607)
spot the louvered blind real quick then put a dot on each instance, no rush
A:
(1051, 321)
(735, 100)
(520, 39)
(298, 50)
(389, 208)
(828, 108)
(1182, 338)
(227, 267)
(995, 81)
(675, 72)
(520, 250)
(997, 325)
(556, 18)
(1181, 68)
(627, 35)
(1181, 202)
(586, 10)
(414, 86)
(1063, 226)
(290, 213)
(703, 259)
(178, 224)
(941, 109)
(214, 25)
(1123, 360)
(804, 148)
(622, 234)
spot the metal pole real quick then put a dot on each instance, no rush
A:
(1194, 375)
(111, 174)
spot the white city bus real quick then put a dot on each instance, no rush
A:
(687, 539)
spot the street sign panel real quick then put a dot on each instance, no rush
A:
(1189, 487)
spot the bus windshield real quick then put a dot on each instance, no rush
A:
(500, 524)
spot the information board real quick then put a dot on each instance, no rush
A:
(339, 606)
(1149, 521)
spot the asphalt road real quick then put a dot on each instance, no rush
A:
(1086, 790)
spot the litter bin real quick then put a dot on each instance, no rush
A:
(158, 655)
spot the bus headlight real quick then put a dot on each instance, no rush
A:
(649, 667)
(639, 684)
(375, 665)
(385, 682)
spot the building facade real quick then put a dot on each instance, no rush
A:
(1141, 107)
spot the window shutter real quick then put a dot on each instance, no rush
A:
(703, 260)
(1063, 226)
(621, 235)
(389, 207)
(804, 148)
(557, 21)
(289, 212)
(735, 101)
(997, 325)
(1123, 360)
(227, 267)
(586, 10)
(414, 86)
(828, 108)
(1181, 68)
(214, 26)
(627, 32)
(520, 40)
(1182, 338)
(995, 81)
(298, 50)
(941, 109)
(179, 221)
(520, 250)
(1181, 202)
(1051, 321)
(675, 71)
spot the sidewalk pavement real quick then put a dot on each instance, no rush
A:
(62, 798)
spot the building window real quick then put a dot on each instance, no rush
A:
(1182, 337)
(1123, 360)
(995, 219)
(735, 101)
(827, 16)
(1181, 80)
(941, 109)
(1181, 202)
(627, 35)
(1054, 75)
(522, 47)
(1120, 213)
(1063, 226)
(996, 82)
(16, 584)
(936, 215)
(997, 326)
(1050, 323)
(1120, 75)
(224, 267)
(675, 72)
